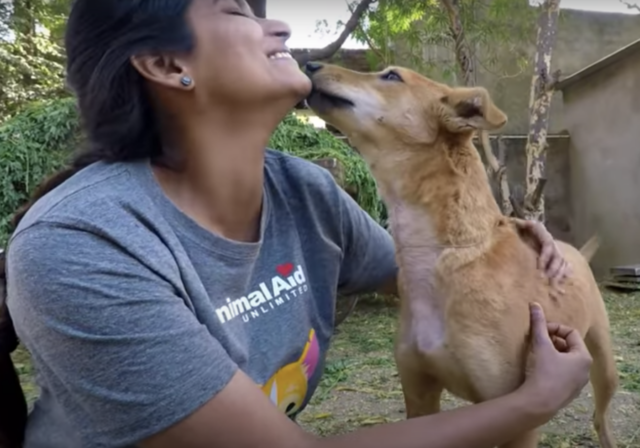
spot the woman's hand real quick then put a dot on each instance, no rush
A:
(550, 260)
(561, 364)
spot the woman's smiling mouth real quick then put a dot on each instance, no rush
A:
(281, 55)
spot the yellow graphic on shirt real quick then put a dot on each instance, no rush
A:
(288, 388)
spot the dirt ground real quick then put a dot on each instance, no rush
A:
(361, 387)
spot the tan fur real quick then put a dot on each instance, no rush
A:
(590, 247)
(466, 275)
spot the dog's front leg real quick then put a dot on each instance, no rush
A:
(422, 392)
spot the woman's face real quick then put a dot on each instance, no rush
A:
(240, 59)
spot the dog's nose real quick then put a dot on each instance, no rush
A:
(312, 67)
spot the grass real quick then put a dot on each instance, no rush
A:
(360, 387)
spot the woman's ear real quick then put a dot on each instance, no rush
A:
(471, 108)
(167, 71)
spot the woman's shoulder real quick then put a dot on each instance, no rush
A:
(97, 192)
(100, 218)
(299, 174)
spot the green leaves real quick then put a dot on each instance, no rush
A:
(31, 57)
(294, 136)
(33, 144)
(31, 68)
(37, 141)
(417, 33)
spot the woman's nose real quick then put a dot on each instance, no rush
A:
(278, 29)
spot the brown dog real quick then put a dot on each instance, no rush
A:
(466, 276)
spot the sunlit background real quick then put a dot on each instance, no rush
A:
(302, 16)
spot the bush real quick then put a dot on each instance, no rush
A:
(37, 141)
(33, 144)
(301, 139)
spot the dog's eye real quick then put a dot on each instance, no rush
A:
(391, 76)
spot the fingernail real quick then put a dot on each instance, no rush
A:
(534, 307)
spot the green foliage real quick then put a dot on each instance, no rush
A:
(31, 57)
(417, 32)
(30, 69)
(37, 141)
(33, 144)
(301, 139)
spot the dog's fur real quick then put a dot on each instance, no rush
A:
(466, 275)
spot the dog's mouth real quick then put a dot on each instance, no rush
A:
(321, 99)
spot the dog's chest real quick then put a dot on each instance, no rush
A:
(423, 325)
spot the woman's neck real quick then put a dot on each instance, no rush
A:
(220, 183)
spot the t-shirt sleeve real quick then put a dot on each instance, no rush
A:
(116, 346)
(368, 250)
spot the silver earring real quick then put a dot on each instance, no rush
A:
(186, 81)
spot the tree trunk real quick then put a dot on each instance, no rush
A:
(462, 51)
(542, 85)
(466, 65)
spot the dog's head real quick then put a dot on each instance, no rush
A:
(398, 108)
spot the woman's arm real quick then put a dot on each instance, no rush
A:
(242, 417)
(550, 260)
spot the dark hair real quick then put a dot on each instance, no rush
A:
(118, 121)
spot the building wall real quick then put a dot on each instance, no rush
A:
(602, 114)
(583, 38)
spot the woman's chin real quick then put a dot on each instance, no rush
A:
(297, 90)
(302, 86)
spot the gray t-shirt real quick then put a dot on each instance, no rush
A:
(136, 316)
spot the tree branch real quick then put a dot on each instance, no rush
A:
(537, 196)
(553, 82)
(467, 65)
(462, 50)
(498, 172)
(542, 87)
(328, 51)
(631, 5)
(368, 40)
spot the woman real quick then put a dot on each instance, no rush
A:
(179, 280)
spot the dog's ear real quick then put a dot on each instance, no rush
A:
(471, 108)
